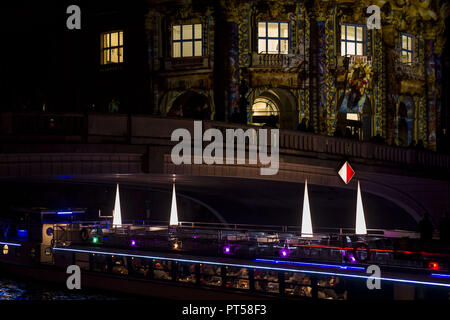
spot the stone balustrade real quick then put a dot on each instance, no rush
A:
(268, 60)
(145, 130)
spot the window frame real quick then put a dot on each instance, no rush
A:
(109, 48)
(279, 38)
(407, 49)
(193, 40)
(356, 41)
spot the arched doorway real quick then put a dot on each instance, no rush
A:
(357, 125)
(191, 105)
(265, 112)
(274, 107)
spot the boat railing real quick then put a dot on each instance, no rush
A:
(133, 227)
(267, 228)
(327, 244)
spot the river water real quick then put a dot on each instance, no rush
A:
(19, 289)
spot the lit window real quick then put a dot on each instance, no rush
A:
(352, 39)
(5, 249)
(187, 40)
(353, 116)
(273, 37)
(111, 44)
(407, 48)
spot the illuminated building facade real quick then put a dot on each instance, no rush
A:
(286, 58)
(279, 63)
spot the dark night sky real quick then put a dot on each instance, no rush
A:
(42, 60)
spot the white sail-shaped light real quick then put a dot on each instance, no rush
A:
(306, 215)
(360, 220)
(173, 209)
(117, 214)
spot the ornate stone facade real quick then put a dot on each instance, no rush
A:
(396, 101)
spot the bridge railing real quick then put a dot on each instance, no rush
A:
(144, 129)
(350, 148)
(43, 124)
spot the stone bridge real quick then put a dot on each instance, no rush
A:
(43, 144)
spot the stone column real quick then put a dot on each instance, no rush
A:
(321, 72)
(236, 55)
(330, 56)
(379, 93)
(153, 37)
(432, 93)
(232, 68)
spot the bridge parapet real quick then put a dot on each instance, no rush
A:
(336, 147)
(152, 130)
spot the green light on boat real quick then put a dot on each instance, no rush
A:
(95, 240)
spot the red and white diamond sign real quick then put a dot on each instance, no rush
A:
(346, 172)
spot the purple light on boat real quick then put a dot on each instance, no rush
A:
(349, 256)
(195, 237)
(285, 252)
(133, 243)
(227, 250)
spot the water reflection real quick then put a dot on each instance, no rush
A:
(13, 289)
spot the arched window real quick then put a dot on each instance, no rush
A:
(264, 107)
(264, 111)
(191, 105)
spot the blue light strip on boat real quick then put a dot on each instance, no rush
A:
(258, 267)
(10, 244)
(344, 267)
(441, 275)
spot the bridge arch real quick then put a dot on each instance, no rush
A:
(404, 192)
(396, 196)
